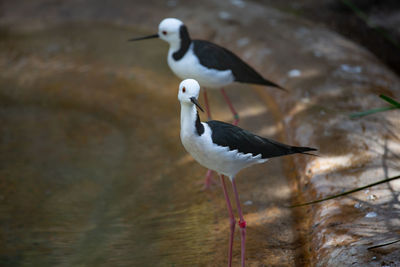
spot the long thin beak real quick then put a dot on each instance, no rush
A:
(144, 38)
(194, 101)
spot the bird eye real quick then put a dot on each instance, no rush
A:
(183, 89)
(164, 32)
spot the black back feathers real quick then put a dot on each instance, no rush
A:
(216, 57)
(228, 135)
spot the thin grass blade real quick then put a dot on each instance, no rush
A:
(369, 112)
(390, 101)
(384, 244)
(347, 192)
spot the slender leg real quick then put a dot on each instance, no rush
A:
(208, 179)
(228, 101)
(242, 222)
(232, 220)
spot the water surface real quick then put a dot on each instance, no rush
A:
(92, 169)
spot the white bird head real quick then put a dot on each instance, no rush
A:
(169, 30)
(189, 90)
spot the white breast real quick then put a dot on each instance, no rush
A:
(214, 157)
(189, 67)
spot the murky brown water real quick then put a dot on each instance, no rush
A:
(92, 172)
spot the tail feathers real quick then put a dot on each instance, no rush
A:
(269, 83)
(303, 150)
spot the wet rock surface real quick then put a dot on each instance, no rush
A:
(372, 24)
(93, 172)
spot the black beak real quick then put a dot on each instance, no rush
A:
(144, 38)
(194, 101)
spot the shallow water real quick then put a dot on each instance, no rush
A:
(92, 169)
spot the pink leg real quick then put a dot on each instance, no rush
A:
(208, 181)
(228, 101)
(242, 222)
(231, 220)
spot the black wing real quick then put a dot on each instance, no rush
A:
(216, 57)
(228, 135)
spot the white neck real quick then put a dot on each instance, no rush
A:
(174, 45)
(188, 119)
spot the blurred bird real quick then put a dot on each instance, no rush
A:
(211, 65)
(226, 149)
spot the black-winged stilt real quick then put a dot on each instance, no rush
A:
(226, 149)
(211, 65)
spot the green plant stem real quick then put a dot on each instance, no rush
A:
(390, 101)
(371, 111)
